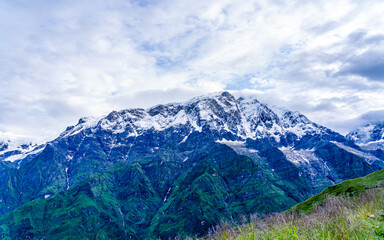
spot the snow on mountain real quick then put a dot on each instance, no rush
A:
(369, 137)
(242, 118)
(14, 147)
(84, 123)
(11, 141)
(299, 157)
(33, 150)
(230, 120)
(262, 120)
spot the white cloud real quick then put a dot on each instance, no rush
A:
(64, 59)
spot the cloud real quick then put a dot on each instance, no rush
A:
(373, 116)
(61, 60)
(364, 119)
(369, 65)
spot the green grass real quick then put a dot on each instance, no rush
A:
(353, 209)
(349, 187)
(342, 217)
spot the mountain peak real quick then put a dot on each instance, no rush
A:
(14, 147)
(370, 136)
(12, 141)
(224, 115)
(221, 95)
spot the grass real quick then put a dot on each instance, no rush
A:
(349, 187)
(336, 215)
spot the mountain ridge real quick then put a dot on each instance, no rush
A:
(250, 159)
(185, 112)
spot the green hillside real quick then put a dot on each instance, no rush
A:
(124, 202)
(349, 188)
(353, 209)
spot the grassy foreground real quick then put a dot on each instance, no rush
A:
(353, 209)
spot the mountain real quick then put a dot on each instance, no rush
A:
(177, 169)
(370, 138)
(13, 148)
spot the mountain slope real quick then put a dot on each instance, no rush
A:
(352, 209)
(369, 134)
(348, 187)
(92, 209)
(124, 198)
(209, 159)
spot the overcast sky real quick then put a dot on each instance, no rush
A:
(61, 60)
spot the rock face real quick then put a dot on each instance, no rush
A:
(173, 170)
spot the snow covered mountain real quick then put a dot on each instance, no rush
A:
(369, 137)
(180, 168)
(14, 147)
(229, 121)
(228, 118)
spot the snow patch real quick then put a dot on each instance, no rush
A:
(84, 123)
(231, 144)
(67, 177)
(166, 195)
(24, 154)
(184, 139)
(299, 157)
(380, 141)
(238, 146)
(15, 142)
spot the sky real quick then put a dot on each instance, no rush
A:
(61, 60)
